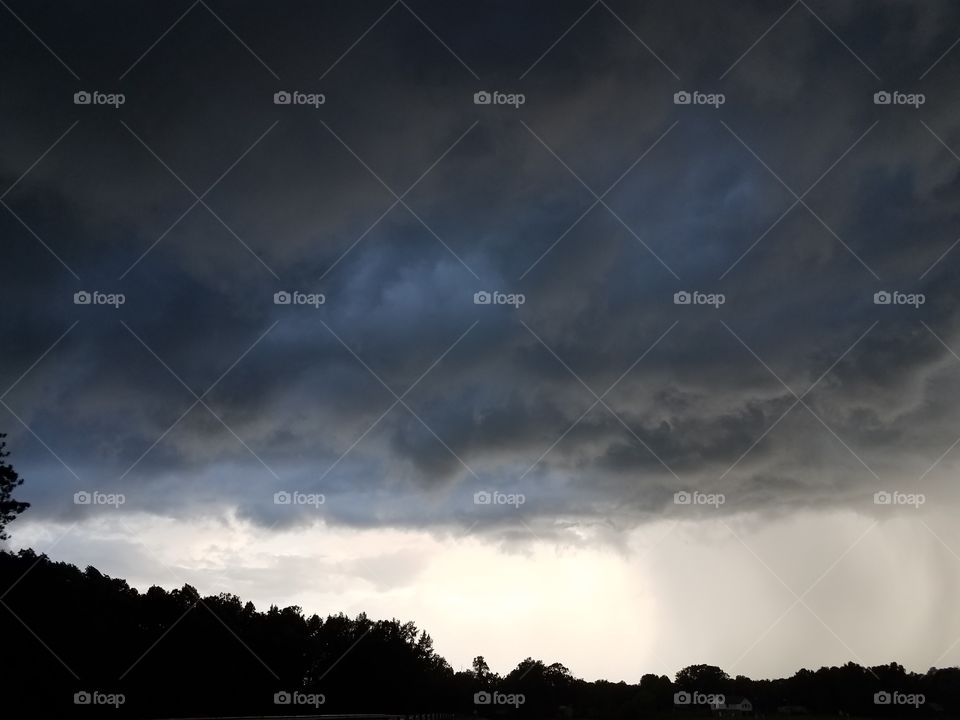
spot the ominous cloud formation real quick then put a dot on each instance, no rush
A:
(399, 198)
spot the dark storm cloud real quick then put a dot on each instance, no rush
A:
(300, 398)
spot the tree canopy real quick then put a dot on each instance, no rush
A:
(9, 481)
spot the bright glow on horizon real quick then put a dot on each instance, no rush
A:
(674, 594)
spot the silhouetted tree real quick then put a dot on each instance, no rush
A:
(177, 654)
(9, 479)
(480, 668)
(703, 678)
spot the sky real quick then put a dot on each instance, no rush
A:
(619, 334)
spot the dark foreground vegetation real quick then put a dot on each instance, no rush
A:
(80, 643)
(175, 654)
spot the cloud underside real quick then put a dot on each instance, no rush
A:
(398, 398)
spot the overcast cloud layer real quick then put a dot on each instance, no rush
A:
(399, 198)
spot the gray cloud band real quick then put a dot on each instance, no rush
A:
(505, 226)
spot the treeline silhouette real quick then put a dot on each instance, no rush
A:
(175, 654)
